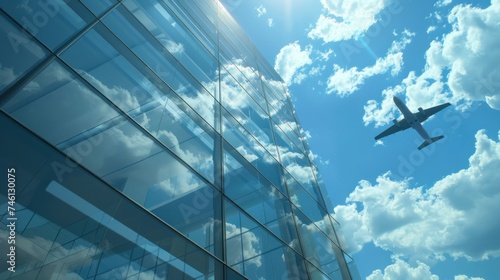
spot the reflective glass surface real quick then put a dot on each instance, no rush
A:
(248, 113)
(98, 7)
(251, 150)
(201, 20)
(241, 79)
(19, 53)
(254, 194)
(253, 251)
(97, 137)
(154, 141)
(51, 22)
(202, 12)
(71, 225)
(318, 249)
(173, 35)
(236, 39)
(78, 108)
(128, 83)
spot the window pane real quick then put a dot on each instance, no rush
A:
(235, 74)
(252, 151)
(78, 108)
(317, 247)
(124, 157)
(52, 22)
(120, 76)
(253, 251)
(106, 64)
(172, 192)
(289, 128)
(19, 53)
(234, 35)
(201, 22)
(305, 202)
(164, 64)
(171, 32)
(290, 155)
(316, 273)
(302, 174)
(182, 135)
(247, 112)
(93, 134)
(76, 227)
(255, 195)
(98, 7)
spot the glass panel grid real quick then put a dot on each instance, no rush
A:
(52, 22)
(19, 53)
(134, 100)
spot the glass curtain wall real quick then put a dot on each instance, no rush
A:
(151, 140)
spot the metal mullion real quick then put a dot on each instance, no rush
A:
(37, 68)
(158, 43)
(132, 121)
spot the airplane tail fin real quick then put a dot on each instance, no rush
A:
(433, 139)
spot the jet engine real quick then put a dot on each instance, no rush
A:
(395, 121)
(421, 110)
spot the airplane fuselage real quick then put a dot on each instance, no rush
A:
(412, 119)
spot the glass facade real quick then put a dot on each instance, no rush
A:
(150, 140)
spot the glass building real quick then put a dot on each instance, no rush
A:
(149, 139)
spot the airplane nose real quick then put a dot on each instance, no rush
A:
(396, 100)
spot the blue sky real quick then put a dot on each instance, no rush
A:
(408, 214)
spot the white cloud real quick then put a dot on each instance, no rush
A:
(124, 98)
(247, 155)
(173, 47)
(261, 10)
(290, 60)
(442, 3)
(326, 55)
(465, 277)
(196, 158)
(469, 54)
(400, 45)
(431, 29)
(6, 75)
(378, 143)
(37, 249)
(346, 19)
(290, 126)
(438, 16)
(317, 70)
(270, 22)
(424, 91)
(402, 270)
(344, 82)
(384, 112)
(307, 134)
(244, 246)
(434, 223)
(299, 77)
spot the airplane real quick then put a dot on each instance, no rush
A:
(413, 120)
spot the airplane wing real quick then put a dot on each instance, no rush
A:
(401, 125)
(423, 115)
